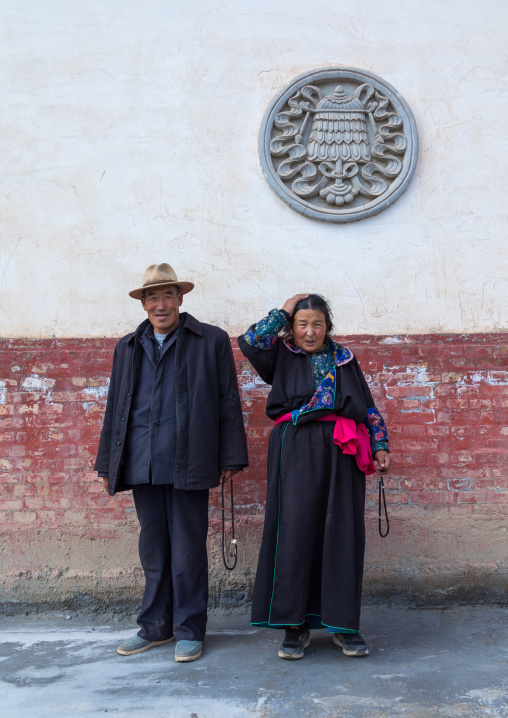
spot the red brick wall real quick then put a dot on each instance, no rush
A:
(445, 400)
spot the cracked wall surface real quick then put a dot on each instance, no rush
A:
(128, 136)
(445, 400)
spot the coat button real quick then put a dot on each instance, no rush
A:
(123, 418)
(129, 394)
(118, 443)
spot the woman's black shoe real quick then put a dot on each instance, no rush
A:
(352, 644)
(296, 640)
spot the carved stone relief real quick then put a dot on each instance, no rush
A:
(338, 144)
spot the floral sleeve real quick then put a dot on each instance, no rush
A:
(378, 432)
(263, 335)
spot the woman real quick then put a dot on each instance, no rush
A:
(327, 430)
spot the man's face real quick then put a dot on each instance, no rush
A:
(162, 306)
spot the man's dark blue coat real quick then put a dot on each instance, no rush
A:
(210, 433)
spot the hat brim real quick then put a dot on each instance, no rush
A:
(184, 287)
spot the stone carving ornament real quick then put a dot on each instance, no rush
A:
(338, 144)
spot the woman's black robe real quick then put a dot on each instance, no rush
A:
(312, 552)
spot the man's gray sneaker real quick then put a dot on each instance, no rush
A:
(296, 640)
(186, 651)
(352, 644)
(136, 644)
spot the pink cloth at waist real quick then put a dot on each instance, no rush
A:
(352, 438)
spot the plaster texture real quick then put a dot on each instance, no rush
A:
(129, 136)
(438, 663)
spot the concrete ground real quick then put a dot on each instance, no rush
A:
(423, 663)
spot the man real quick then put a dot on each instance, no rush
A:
(173, 426)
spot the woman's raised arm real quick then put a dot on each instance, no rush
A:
(290, 304)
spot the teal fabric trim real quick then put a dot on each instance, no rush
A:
(315, 623)
(263, 335)
(380, 446)
(258, 342)
(322, 364)
(271, 324)
(324, 395)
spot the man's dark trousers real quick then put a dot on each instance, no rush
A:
(172, 549)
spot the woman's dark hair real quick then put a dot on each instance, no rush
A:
(313, 301)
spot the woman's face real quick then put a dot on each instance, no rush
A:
(309, 330)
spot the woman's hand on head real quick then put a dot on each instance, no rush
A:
(382, 461)
(290, 304)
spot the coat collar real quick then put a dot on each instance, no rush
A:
(343, 355)
(191, 324)
(188, 322)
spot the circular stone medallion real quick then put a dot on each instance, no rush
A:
(338, 144)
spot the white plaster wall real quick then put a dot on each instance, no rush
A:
(128, 135)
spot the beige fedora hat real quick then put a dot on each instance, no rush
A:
(160, 275)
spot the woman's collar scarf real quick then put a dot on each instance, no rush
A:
(324, 396)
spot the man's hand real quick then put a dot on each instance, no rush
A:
(105, 483)
(227, 474)
(290, 304)
(382, 461)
